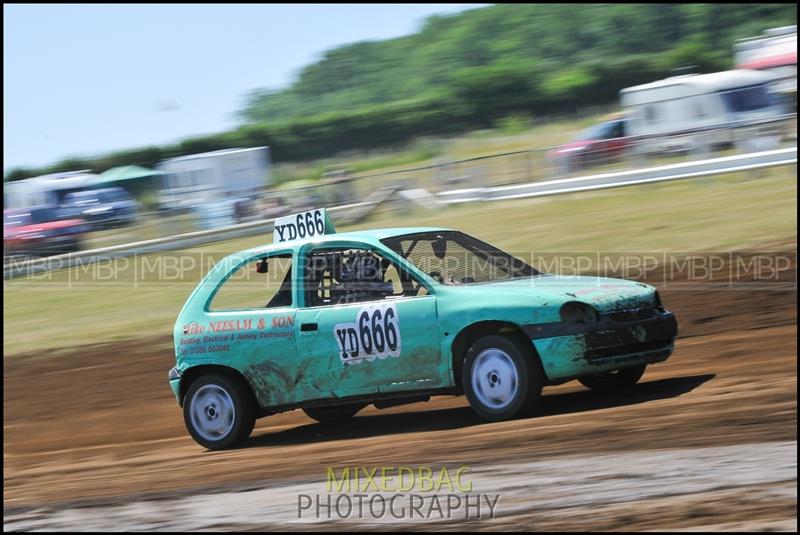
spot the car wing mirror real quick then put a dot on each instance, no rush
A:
(385, 289)
(263, 266)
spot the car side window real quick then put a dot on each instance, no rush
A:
(334, 276)
(263, 283)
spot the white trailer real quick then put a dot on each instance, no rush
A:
(45, 189)
(725, 101)
(198, 179)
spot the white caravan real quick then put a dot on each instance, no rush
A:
(198, 179)
(46, 189)
(726, 101)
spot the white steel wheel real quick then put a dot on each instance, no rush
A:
(219, 411)
(501, 377)
(212, 412)
(495, 378)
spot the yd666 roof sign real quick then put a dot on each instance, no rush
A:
(302, 226)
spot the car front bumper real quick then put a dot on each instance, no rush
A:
(175, 383)
(572, 350)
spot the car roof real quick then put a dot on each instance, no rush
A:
(715, 81)
(213, 153)
(96, 191)
(371, 236)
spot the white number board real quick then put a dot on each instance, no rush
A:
(301, 226)
(375, 333)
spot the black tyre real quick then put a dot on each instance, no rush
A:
(218, 411)
(76, 245)
(501, 378)
(333, 414)
(613, 381)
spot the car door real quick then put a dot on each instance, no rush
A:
(365, 333)
(250, 321)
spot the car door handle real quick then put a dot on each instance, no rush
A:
(306, 327)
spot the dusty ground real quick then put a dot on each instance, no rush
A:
(99, 425)
(648, 488)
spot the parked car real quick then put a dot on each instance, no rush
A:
(602, 143)
(330, 323)
(102, 208)
(41, 231)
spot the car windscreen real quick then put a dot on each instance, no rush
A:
(113, 195)
(747, 98)
(455, 258)
(598, 131)
(607, 130)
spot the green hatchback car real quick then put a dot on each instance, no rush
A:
(330, 323)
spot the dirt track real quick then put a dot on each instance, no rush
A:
(100, 424)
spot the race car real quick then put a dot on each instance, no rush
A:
(330, 323)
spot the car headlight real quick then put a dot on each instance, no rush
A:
(575, 312)
(100, 210)
(573, 149)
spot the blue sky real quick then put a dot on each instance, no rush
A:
(82, 80)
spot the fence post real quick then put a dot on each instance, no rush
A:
(528, 165)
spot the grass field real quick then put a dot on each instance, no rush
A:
(537, 134)
(733, 212)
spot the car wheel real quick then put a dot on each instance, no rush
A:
(333, 414)
(501, 378)
(218, 412)
(614, 380)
